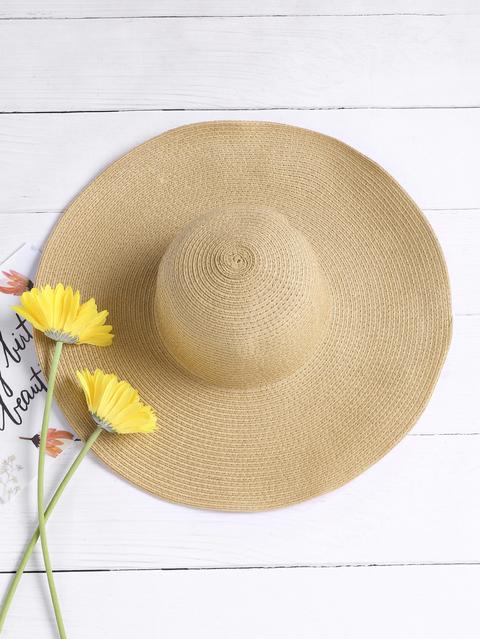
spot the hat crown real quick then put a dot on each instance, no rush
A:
(240, 298)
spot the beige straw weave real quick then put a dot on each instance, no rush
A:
(276, 297)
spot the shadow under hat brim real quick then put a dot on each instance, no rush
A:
(363, 388)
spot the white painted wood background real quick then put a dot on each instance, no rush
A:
(395, 553)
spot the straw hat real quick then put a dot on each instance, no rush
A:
(276, 297)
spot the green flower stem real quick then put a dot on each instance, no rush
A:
(40, 489)
(53, 502)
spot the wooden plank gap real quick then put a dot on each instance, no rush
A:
(273, 567)
(237, 16)
(412, 107)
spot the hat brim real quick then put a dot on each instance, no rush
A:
(265, 447)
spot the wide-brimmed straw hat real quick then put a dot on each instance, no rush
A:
(275, 295)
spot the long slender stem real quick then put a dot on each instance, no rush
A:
(53, 502)
(40, 490)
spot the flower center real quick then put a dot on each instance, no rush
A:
(102, 423)
(59, 336)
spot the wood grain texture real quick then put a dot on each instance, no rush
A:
(420, 602)
(24, 227)
(46, 160)
(454, 405)
(147, 8)
(264, 62)
(458, 233)
(417, 505)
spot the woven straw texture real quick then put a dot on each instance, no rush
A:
(276, 297)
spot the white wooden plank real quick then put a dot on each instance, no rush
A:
(45, 160)
(148, 8)
(459, 235)
(454, 405)
(25, 227)
(458, 232)
(419, 504)
(419, 602)
(304, 62)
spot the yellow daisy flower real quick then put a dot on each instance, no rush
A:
(114, 405)
(58, 313)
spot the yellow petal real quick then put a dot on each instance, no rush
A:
(115, 404)
(58, 313)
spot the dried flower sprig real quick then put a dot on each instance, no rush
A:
(115, 407)
(55, 441)
(16, 283)
(58, 313)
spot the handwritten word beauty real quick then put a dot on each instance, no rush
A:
(11, 408)
(14, 406)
